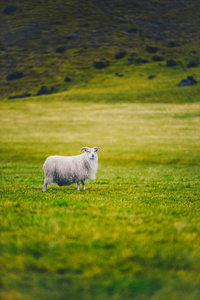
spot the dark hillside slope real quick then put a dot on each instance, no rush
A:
(43, 42)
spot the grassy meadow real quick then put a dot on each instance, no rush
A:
(134, 232)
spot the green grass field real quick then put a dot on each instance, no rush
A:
(134, 232)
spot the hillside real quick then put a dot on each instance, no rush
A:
(54, 44)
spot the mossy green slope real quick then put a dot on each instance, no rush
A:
(91, 30)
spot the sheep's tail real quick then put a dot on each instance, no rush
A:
(44, 165)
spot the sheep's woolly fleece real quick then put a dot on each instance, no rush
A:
(65, 170)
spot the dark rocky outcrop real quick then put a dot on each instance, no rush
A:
(192, 64)
(61, 49)
(100, 64)
(150, 49)
(130, 59)
(14, 76)
(131, 30)
(119, 75)
(188, 81)
(171, 63)
(120, 54)
(67, 79)
(43, 91)
(151, 77)
(157, 58)
(72, 37)
(171, 44)
(134, 54)
(10, 9)
(141, 61)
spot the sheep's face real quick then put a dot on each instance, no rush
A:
(91, 152)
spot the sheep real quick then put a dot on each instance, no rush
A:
(65, 170)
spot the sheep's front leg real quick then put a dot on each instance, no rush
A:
(78, 185)
(83, 183)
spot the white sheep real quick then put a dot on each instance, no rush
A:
(65, 170)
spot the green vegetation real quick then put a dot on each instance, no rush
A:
(134, 232)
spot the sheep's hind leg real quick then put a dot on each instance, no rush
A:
(45, 186)
(78, 186)
(83, 183)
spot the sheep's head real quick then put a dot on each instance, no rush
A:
(91, 152)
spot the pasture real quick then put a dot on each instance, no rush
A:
(134, 232)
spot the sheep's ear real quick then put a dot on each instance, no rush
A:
(84, 148)
(96, 149)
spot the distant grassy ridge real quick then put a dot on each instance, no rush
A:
(147, 132)
(132, 84)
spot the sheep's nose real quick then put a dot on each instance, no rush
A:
(92, 155)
